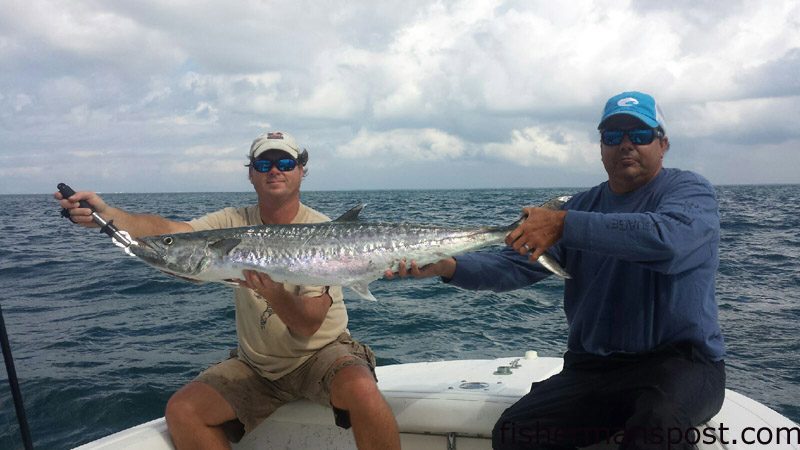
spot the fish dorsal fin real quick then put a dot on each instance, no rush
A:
(556, 203)
(224, 245)
(352, 215)
(362, 289)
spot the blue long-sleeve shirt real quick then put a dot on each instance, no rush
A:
(643, 267)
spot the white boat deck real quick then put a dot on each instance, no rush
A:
(454, 405)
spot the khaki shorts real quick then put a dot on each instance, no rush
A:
(254, 397)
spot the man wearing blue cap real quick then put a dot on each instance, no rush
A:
(645, 353)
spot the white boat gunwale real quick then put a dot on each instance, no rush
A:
(441, 405)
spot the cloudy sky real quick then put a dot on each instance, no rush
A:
(161, 96)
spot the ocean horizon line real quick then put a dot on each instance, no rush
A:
(417, 189)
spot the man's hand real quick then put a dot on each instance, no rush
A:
(540, 230)
(82, 216)
(262, 284)
(442, 268)
(301, 315)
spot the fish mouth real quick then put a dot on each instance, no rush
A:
(156, 257)
(144, 250)
(153, 253)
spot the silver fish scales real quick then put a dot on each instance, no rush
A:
(343, 252)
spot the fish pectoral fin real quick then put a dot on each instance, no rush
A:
(362, 289)
(550, 264)
(225, 245)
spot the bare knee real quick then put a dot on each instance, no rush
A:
(194, 414)
(180, 407)
(198, 403)
(354, 385)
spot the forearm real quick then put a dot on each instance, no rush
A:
(671, 238)
(302, 315)
(501, 271)
(143, 224)
(136, 224)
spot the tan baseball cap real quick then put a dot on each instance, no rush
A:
(275, 140)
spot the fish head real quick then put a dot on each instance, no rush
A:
(180, 254)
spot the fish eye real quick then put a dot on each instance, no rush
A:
(168, 240)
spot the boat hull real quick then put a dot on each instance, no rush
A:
(451, 404)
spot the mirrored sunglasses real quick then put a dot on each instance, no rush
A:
(265, 165)
(637, 136)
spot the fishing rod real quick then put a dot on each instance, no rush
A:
(14, 382)
(106, 227)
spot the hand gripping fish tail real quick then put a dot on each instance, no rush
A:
(549, 263)
(546, 260)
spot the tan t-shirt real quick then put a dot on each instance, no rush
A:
(264, 340)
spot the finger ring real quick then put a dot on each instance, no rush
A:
(525, 246)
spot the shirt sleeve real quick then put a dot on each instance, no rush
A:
(678, 235)
(500, 271)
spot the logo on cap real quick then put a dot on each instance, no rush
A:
(275, 135)
(628, 101)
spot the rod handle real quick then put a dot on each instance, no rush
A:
(67, 192)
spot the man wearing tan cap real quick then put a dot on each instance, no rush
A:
(293, 340)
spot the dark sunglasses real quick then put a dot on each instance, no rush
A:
(638, 136)
(265, 165)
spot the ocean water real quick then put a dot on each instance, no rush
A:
(100, 340)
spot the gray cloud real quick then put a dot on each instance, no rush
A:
(140, 91)
(779, 77)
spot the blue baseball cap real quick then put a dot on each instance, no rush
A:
(636, 104)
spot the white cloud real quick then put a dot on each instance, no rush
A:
(543, 147)
(64, 92)
(90, 30)
(203, 114)
(25, 171)
(751, 121)
(21, 101)
(332, 99)
(209, 166)
(210, 150)
(158, 92)
(403, 144)
(518, 81)
(87, 153)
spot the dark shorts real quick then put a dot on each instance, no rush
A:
(254, 397)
